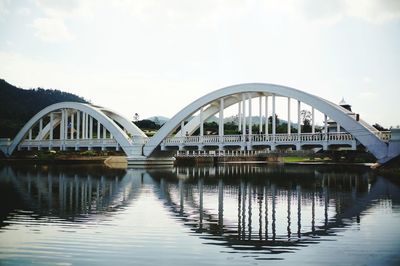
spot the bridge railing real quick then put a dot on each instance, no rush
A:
(259, 138)
(69, 142)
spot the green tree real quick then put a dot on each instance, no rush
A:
(306, 117)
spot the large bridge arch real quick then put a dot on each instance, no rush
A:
(105, 117)
(359, 129)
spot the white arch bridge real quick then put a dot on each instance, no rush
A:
(71, 125)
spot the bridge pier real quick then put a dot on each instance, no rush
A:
(354, 145)
(325, 146)
(394, 144)
(249, 146)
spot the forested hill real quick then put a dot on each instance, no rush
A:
(17, 105)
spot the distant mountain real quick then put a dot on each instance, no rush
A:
(17, 105)
(254, 119)
(159, 120)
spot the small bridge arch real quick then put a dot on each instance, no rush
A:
(115, 129)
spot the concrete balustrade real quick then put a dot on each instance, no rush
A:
(319, 139)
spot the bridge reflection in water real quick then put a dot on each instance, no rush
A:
(248, 208)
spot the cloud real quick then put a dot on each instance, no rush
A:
(373, 11)
(4, 5)
(367, 80)
(368, 95)
(51, 30)
(59, 7)
(23, 11)
(327, 12)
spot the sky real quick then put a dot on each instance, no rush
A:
(154, 57)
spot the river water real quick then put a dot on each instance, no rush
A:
(244, 214)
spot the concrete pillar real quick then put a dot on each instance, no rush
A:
(266, 115)
(86, 126)
(313, 120)
(250, 117)
(72, 125)
(30, 134)
(337, 127)
(104, 132)
(98, 129)
(83, 125)
(298, 119)
(260, 112)
(273, 117)
(66, 124)
(353, 145)
(201, 122)
(91, 127)
(244, 115)
(51, 126)
(78, 124)
(182, 128)
(40, 124)
(62, 125)
(240, 116)
(326, 126)
(221, 117)
(289, 126)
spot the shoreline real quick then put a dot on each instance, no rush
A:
(106, 160)
(77, 160)
(120, 162)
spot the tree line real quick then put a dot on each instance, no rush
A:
(18, 105)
